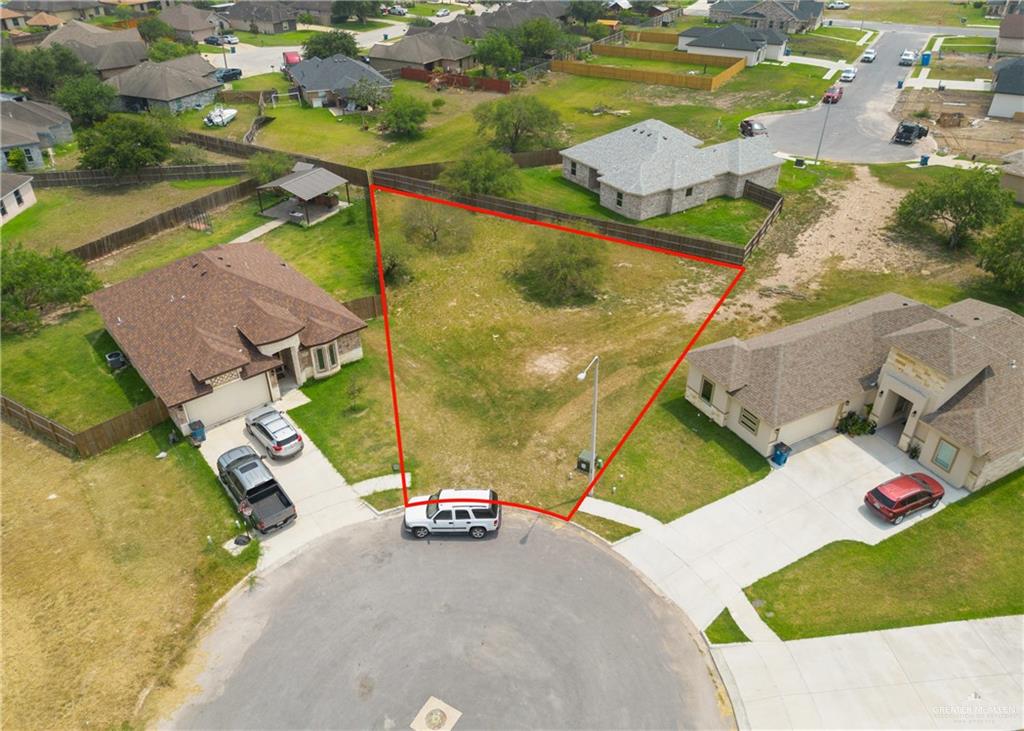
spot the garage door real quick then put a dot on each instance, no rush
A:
(809, 425)
(227, 402)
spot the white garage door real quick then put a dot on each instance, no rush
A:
(227, 402)
(809, 425)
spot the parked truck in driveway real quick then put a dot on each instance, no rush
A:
(254, 490)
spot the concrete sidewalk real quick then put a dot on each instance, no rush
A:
(618, 513)
(955, 675)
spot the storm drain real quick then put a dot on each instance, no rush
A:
(436, 715)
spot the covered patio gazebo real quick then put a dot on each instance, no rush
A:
(310, 190)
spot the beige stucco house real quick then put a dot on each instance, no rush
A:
(949, 383)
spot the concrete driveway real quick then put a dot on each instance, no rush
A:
(253, 60)
(704, 559)
(860, 125)
(540, 626)
(322, 497)
(955, 675)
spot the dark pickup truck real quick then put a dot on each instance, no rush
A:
(253, 489)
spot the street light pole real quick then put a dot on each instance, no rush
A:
(817, 154)
(596, 365)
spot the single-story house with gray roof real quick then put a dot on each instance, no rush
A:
(16, 195)
(1008, 88)
(946, 384)
(33, 127)
(189, 22)
(174, 85)
(735, 41)
(109, 52)
(652, 169)
(789, 16)
(423, 51)
(326, 82)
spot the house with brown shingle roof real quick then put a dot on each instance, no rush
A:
(949, 381)
(217, 333)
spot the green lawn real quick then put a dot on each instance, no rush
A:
(955, 68)
(262, 82)
(385, 499)
(289, 38)
(724, 630)
(977, 542)
(916, 12)
(849, 34)
(726, 219)
(355, 26)
(610, 530)
(964, 44)
(642, 64)
(428, 10)
(821, 46)
(60, 372)
(898, 175)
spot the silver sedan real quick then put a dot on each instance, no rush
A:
(274, 432)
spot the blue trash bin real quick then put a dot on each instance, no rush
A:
(780, 453)
(788, 51)
(924, 160)
(232, 49)
(198, 429)
(899, 84)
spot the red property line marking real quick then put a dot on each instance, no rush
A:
(739, 269)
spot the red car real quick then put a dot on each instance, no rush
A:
(833, 95)
(899, 497)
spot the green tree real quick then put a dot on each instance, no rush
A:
(16, 160)
(1001, 254)
(151, 28)
(265, 166)
(563, 270)
(518, 123)
(437, 227)
(365, 94)
(585, 11)
(123, 144)
(404, 115)
(41, 70)
(598, 31)
(33, 284)
(485, 171)
(964, 203)
(306, 19)
(331, 43)
(164, 49)
(497, 51)
(342, 10)
(86, 99)
(123, 12)
(536, 37)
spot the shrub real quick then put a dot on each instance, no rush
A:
(16, 160)
(266, 166)
(393, 264)
(188, 155)
(437, 103)
(404, 116)
(563, 270)
(33, 284)
(855, 425)
(437, 227)
(123, 144)
(1001, 254)
(485, 171)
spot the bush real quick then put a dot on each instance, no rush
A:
(266, 166)
(964, 203)
(598, 31)
(563, 270)
(420, 22)
(16, 160)
(404, 116)
(164, 49)
(396, 270)
(188, 155)
(485, 171)
(1001, 254)
(435, 226)
(855, 425)
(437, 103)
(123, 144)
(33, 284)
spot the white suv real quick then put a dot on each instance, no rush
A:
(469, 511)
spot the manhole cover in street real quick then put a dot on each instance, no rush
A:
(436, 715)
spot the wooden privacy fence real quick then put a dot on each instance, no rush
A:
(649, 54)
(763, 197)
(502, 86)
(653, 36)
(162, 221)
(703, 83)
(86, 178)
(251, 97)
(707, 248)
(366, 308)
(93, 440)
(432, 170)
(356, 176)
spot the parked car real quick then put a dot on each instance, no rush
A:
(751, 128)
(475, 512)
(212, 40)
(274, 432)
(253, 489)
(443, 13)
(849, 74)
(832, 95)
(397, 10)
(907, 133)
(869, 56)
(899, 497)
(223, 75)
(838, 5)
(908, 57)
(229, 39)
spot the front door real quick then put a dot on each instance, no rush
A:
(902, 410)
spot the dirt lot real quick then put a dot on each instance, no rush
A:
(980, 135)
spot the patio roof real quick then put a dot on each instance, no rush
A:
(306, 182)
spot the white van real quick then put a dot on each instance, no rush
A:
(475, 512)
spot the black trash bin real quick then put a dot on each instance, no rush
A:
(780, 453)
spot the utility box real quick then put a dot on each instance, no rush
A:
(583, 462)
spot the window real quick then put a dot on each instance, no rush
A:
(618, 199)
(488, 512)
(461, 515)
(18, 198)
(689, 192)
(321, 364)
(326, 357)
(707, 390)
(572, 168)
(332, 354)
(945, 455)
(749, 421)
(28, 154)
(3, 209)
(443, 515)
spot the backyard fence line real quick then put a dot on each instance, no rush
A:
(162, 221)
(650, 54)
(706, 248)
(767, 198)
(502, 86)
(703, 83)
(366, 308)
(94, 440)
(653, 36)
(356, 176)
(86, 178)
(432, 170)
(251, 97)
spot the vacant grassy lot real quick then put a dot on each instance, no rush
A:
(69, 217)
(426, 10)
(977, 542)
(964, 44)
(917, 12)
(724, 630)
(667, 67)
(957, 67)
(726, 219)
(262, 82)
(106, 571)
(849, 34)
(898, 175)
(818, 45)
(290, 38)
(60, 372)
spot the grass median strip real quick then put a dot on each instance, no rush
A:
(724, 630)
(610, 530)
